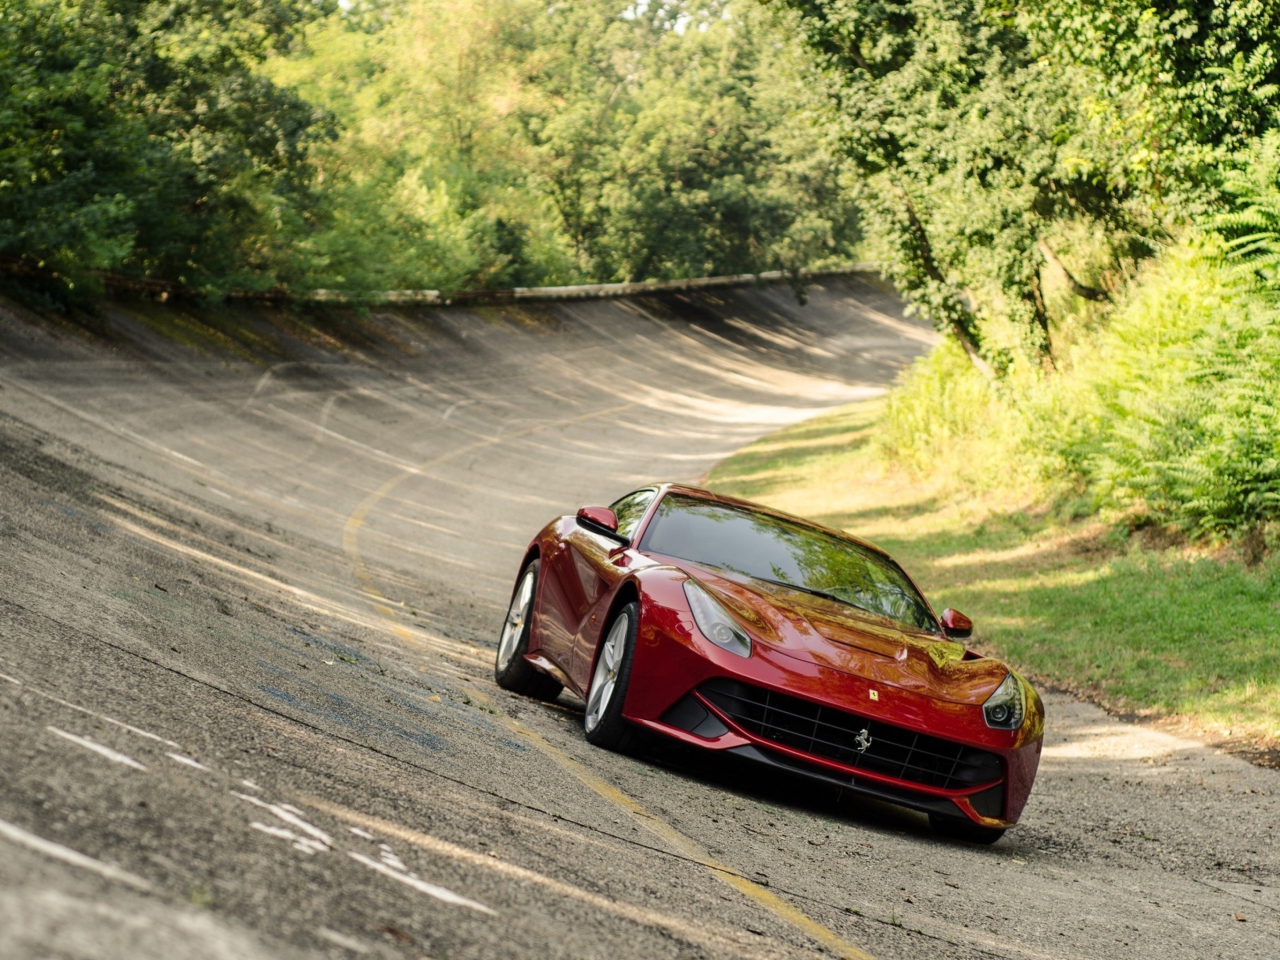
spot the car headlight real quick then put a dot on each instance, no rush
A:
(1006, 708)
(714, 620)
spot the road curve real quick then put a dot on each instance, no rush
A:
(249, 586)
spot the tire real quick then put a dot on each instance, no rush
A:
(602, 721)
(956, 828)
(512, 671)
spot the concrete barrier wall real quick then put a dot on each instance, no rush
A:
(590, 291)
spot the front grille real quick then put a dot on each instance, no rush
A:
(836, 735)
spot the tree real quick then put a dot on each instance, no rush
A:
(136, 136)
(984, 129)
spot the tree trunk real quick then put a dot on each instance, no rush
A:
(1078, 288)
(962, 332)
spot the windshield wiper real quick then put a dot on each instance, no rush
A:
(817, 593)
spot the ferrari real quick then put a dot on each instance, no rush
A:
(736, 628)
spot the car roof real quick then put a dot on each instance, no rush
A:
(703, 494)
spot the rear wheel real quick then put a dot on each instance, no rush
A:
(512, 671)
(603, 720)
(957, 828)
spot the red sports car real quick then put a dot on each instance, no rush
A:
(733, 627)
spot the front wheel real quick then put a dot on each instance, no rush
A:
(957, 828)
(512, 671)
(603, 720)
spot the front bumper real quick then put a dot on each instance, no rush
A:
(668, 694)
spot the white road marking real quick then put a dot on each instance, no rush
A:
(453, 407)
(250, 784)
(91, 713)
(303, 844)
(342, 940)
(362, 833)
(409, 880)
(73, 857)
(179, 758)
(290, 815)
(391, 860)
(98, 749)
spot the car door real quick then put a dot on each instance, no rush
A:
(599, 563)
(575, 575)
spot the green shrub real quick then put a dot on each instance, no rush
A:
(1186, 384)
(1170, 414)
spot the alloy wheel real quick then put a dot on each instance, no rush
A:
(605, 678)
(517, 616)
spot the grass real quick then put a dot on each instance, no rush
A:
(1140, 627)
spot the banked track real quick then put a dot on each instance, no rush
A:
(249, 590)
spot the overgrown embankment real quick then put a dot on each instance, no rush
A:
(1139, 622)
(1167, 415)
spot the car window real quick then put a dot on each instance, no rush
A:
(769, 548)
(630, 510)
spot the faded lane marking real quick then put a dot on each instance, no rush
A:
(187, 761)
(73, 857)
(702, 933)
(91, 713)
(409, 880)
(342, 940)
(113, 755)
(301, 844)
(123, 432)
(316, 841)
(351, 529)
(686, 846)
(305, 598)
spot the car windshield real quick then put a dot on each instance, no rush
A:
(769, 548)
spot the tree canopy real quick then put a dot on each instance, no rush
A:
(996, 139)
(139, 136)
(248, 144)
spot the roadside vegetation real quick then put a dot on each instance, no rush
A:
(1083, 197)
(411, 144)
(1145, 624)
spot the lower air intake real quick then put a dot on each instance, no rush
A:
(854, 741)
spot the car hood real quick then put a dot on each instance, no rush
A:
(844, 638)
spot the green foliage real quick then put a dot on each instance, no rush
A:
(691, 148)
(136, 136)
(409, 144)
(1252, 225)
(1171, 414)
(986, 130)
(498, 143)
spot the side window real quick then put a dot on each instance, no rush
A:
(630, 510)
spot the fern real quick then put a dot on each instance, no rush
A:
(1251, 227)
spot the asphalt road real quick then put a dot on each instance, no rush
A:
(249, 592)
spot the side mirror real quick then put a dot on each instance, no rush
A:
(956, 625)
(601, 520)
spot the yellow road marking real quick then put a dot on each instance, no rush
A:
(700, 933)
(686, 846)
(678, 841)
(351, 529)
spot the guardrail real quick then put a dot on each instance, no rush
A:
(590, 291)
(163, 290)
